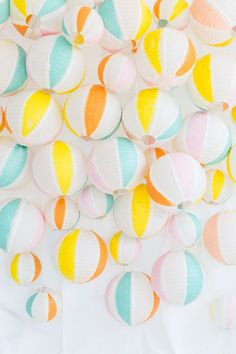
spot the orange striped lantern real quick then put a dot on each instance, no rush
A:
(171, 13)
(25, 268)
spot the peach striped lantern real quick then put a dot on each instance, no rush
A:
(25, 268)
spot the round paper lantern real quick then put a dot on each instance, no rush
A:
(123, 249)
(117, 72)
(151, 116)
(92, 112)
(82, 25)
(212, 84)
(130, 298)
(176, 180)
(223, 311)
(116, 164)
(39, 117)
(94, 203)
(137, 215)
(171, 13)
(177, 277)
(4, 12)
(165, 58)
(36, 18)
(81, 256)
(184, 229)
(204, 136)
(61, 213)
(44, 305)
(65, 166)
(14, 164)
(231, 163)
(13, 66)
(219, 187)
(21, 225)
(25, 268)
(62, 65)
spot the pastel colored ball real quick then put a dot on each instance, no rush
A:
(65, 166)
(177, 277)
(223, 311)
(123, 249)
(4, 12)
(92, 112)
(25, 268)
(62, 65)
(171, 13)
(81, 256)
(219, 187)
(130, 298)
(21, 225)
(231, 163)
(137, 215)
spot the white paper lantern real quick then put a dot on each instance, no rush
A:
(123, 249)
(25, 268)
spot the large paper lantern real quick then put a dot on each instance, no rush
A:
(219, 187)
(171, 13)
(21, 225)
(39, 117)
(25, 268)
(123, 249)
(231, 163)
(137, 215)
(62, 65)
(223, 311)
(130, 298)
(92, 112)
(165, 58)
(65, 166)
(116, 164)
(81, 256)
(4, 12)
(177, 277)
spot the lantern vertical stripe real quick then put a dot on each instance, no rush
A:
(102, 259)
(52, 307)
(7, 216)
(188, 61)
(202, 77)
(101, 68)
(63, 165)
(59, 212)
(96, 98)
(14, 268)
(211, 240)
(111, 21)
(128, 159)
(179, 7)
(194, 278)
(37, 265)
(114, 245)
(82, 17)
(217, 184)
(29, 304)
(4, 11)
(153, 51)
(140, 215)
(146, 111)
(67, 254)
(21, 6)
(146, 18)
(123, 291)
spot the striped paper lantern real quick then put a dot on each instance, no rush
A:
(25, 268)
(223, 311)
(171, 13)
(219, 187)
(4, 12)
(231, 163)
(123, 249)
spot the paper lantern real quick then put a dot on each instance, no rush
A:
(219, 187)
(14, 164)
(92, 112)
(62, 66)
(4, 12)
(117, 72)
(43, 305)
(176, 180)
(65, 166)
(177, 277)
(94, 203)
(61, 213)
(204, 136)
(165, 58)
(130, 298)
(223, 311)
(39, 117)
(13, 66)
(151, 116)
(184, 229)
(137, 215)
(25, 268)
(21, 225)
(219, 237)
(171, 13)
(81, 256)
(123, 249)
(82, 25)
(116, 164)
(36, 18)
(231, 163)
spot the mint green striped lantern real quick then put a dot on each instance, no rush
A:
(4, 12)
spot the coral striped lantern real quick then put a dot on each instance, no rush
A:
(231, 163)
(123, 249)
(25, 268)
(4, 12)
(219, 187)
(171, 13)
(223, 311)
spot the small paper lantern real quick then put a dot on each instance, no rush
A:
(92, 112)
(137, 215)
(176, 180)
(171, 13)
(151, 116)
(177, 277)
(62, 66)
(4, 12)
(94, 203)
(39, 117)
(81, 256)
(219, 187)
(21, 225)
(123, 249)
(231, 163)
(165, 58)
(204, 136)
(130, 298)
(223, 311)
(116, 164)
(25, 268)
(61, 213)
(65, 166)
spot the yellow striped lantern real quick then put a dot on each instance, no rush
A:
(171, 13)
(62, 65)
(92, 112)
(25, 268)
(61, 213)
(36, 18)
(223, 311)
(65, 166)
(39, 117)
(81, 256)
(123, 249)
(165, 58)
(151, 116)
(231, 163)
(219, 187)
(4, 12)
(137, 215)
